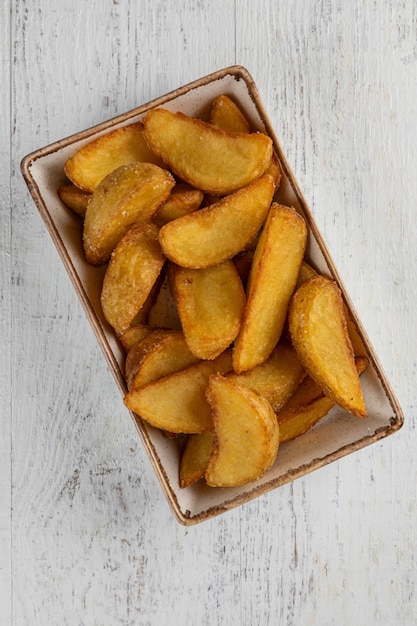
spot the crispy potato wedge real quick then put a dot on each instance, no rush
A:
(226, 114)
(177, 402)
(307, 406)
(246, 434)
(163, 312)
(306, 272)
(243, 263)
(133, 270)
(132, 335)
(195, 458)
(182, 201)
(275, 170)
(74, 198)
(271, 283)
(359, 349)
(210, 303)
(319, 333)
(220, 231)
(204, 156)
(277, 378)
(101, 156)
(160, 353)
(129, 195)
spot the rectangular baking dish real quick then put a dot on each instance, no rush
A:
(335, 436)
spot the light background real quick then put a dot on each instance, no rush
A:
(86, 535)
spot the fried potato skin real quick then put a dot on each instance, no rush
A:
(319, 333)
(195, 458)
(130, 276)
(307, 406)
(74, 198)
(101, 156)
(277, 378)
(177, 403)
(182, 201)
(225, 114)
(132, 335)
(219, 231)
(205, 156)
(160, 353)
(271, 283)
(246, 434)
(210, 303)
(129, 195)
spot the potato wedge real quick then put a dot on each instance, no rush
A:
(359, 349)
(195, 458)
(129, 195)
(226, 114)
(182, 201)
(307, 406)
(210, 303)
(160, 353)
(243, 263)
(74, 198)
(132, 272)
(246, 434)
(271, 283)
(204, 156)
(177, 402)
(277, 378)
(132, 335)
(163, 312)
(319, 333)
(101, 156)
(220, 231)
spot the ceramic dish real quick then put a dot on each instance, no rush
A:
(338, 434)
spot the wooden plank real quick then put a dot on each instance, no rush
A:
(5, 361)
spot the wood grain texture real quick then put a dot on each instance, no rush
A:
(86, 535)
(5, 321)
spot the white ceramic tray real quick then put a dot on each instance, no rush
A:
(338, 434)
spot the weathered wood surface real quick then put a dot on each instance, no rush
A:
(86, 535)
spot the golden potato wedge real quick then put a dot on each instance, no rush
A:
(163, 312)
(243, 263)
(182, 201)
(74, 198)
(177, 402)
(160, 353)
(132, 335)
(275, 170)
(195, 458)
(246, 434)
(220, 231)
(133, 270)
(271, 283)
(307, 406)
(277, 378)
(204, 156)
(226, 114)
(306, 272)
(129, 195)
(101, 156)
(359, 349)
(210, 303)
(319, 333)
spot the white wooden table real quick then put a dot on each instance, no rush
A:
(86, 535)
